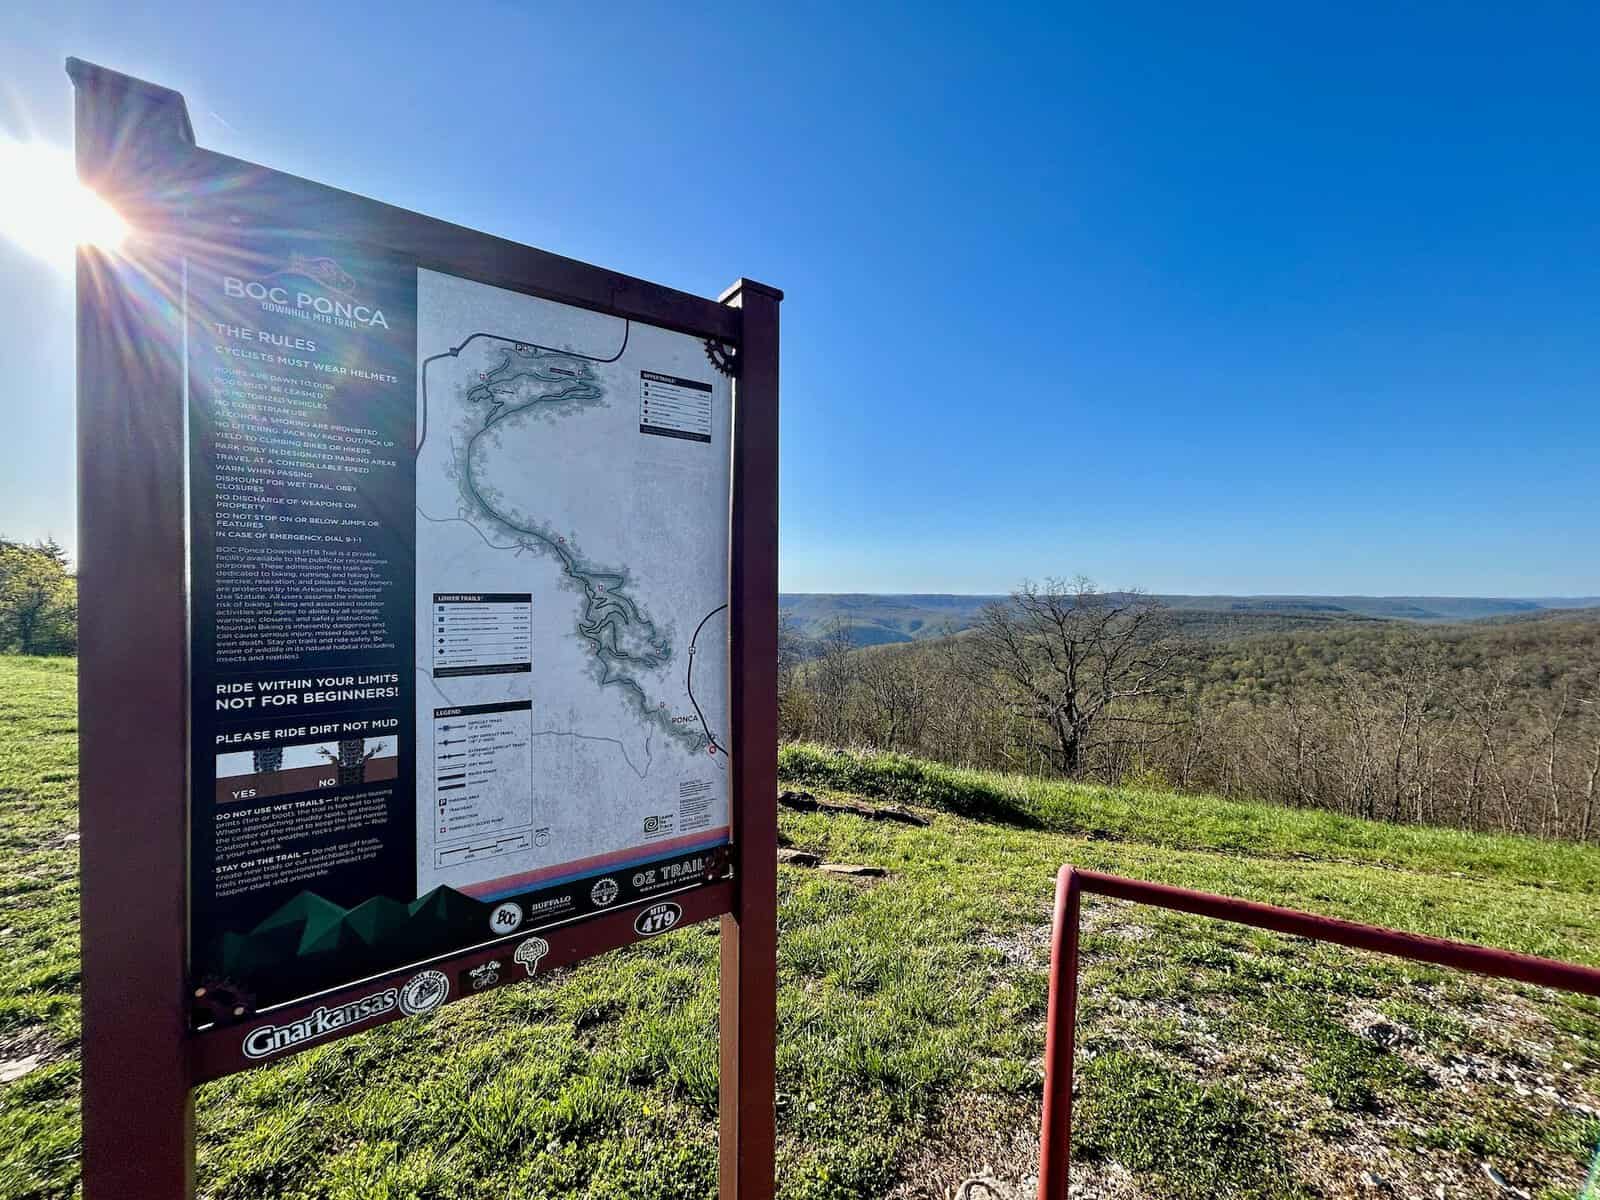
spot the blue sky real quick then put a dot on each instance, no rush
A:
(1233, 298)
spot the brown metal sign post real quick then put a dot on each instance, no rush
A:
(288, 708)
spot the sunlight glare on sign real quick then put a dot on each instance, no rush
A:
(46, 211)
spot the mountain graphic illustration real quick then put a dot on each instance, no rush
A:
(445, 905)
(310, 939)
(378, 920)
(308, 915)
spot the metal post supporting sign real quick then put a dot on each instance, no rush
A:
(368, 722)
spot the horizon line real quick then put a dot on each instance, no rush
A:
(1241, 595)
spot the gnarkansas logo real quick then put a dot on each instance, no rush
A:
(267, 1040)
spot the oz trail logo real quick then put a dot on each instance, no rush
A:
(604, 892)
(658, 918)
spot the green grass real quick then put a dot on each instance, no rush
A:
(1172, 821)
(1214, 1060)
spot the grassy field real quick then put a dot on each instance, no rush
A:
(1214, 1061)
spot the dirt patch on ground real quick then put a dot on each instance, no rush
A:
(965, 1144)
(25, 1052)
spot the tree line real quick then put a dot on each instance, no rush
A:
(38, 599)
(1490, 726)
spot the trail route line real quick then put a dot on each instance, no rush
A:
(688, 680)
(529, 378)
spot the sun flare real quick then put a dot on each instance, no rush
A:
(45, 210)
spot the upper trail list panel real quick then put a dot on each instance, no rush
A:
(555, 527)
(671, 407)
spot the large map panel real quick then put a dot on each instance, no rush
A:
(572, 483)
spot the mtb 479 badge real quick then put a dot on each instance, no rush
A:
(658, 918)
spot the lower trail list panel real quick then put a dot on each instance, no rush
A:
(481, 633)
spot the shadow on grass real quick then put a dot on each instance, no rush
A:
(907, 781)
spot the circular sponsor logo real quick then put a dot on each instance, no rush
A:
(658, 918)
(652, 824)
(506, 917)
(529, 952)
(424, 993)
(604, 892)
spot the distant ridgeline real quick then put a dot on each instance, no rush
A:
(878, 619)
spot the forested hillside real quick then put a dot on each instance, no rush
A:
(1489, 724)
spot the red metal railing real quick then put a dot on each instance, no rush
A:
(1055, 1142)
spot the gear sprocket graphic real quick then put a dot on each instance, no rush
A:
(723, 357)
(223, 1000)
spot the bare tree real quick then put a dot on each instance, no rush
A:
(1591, 770)
(833, 679)
(792, 716)
(1292, 748)
(1484, 697)
(895, 697)
(1073, 661)
(1551, 720)
(1196, 734)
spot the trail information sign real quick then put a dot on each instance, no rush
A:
(470, 552)
(459, 610)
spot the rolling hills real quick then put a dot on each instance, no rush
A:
(875, 619)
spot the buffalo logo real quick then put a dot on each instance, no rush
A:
(658, 918)
(424, 993)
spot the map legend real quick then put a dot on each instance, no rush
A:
(673, 407)
(482, 804)
(481, 633)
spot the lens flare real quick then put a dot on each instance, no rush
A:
(45, 211)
